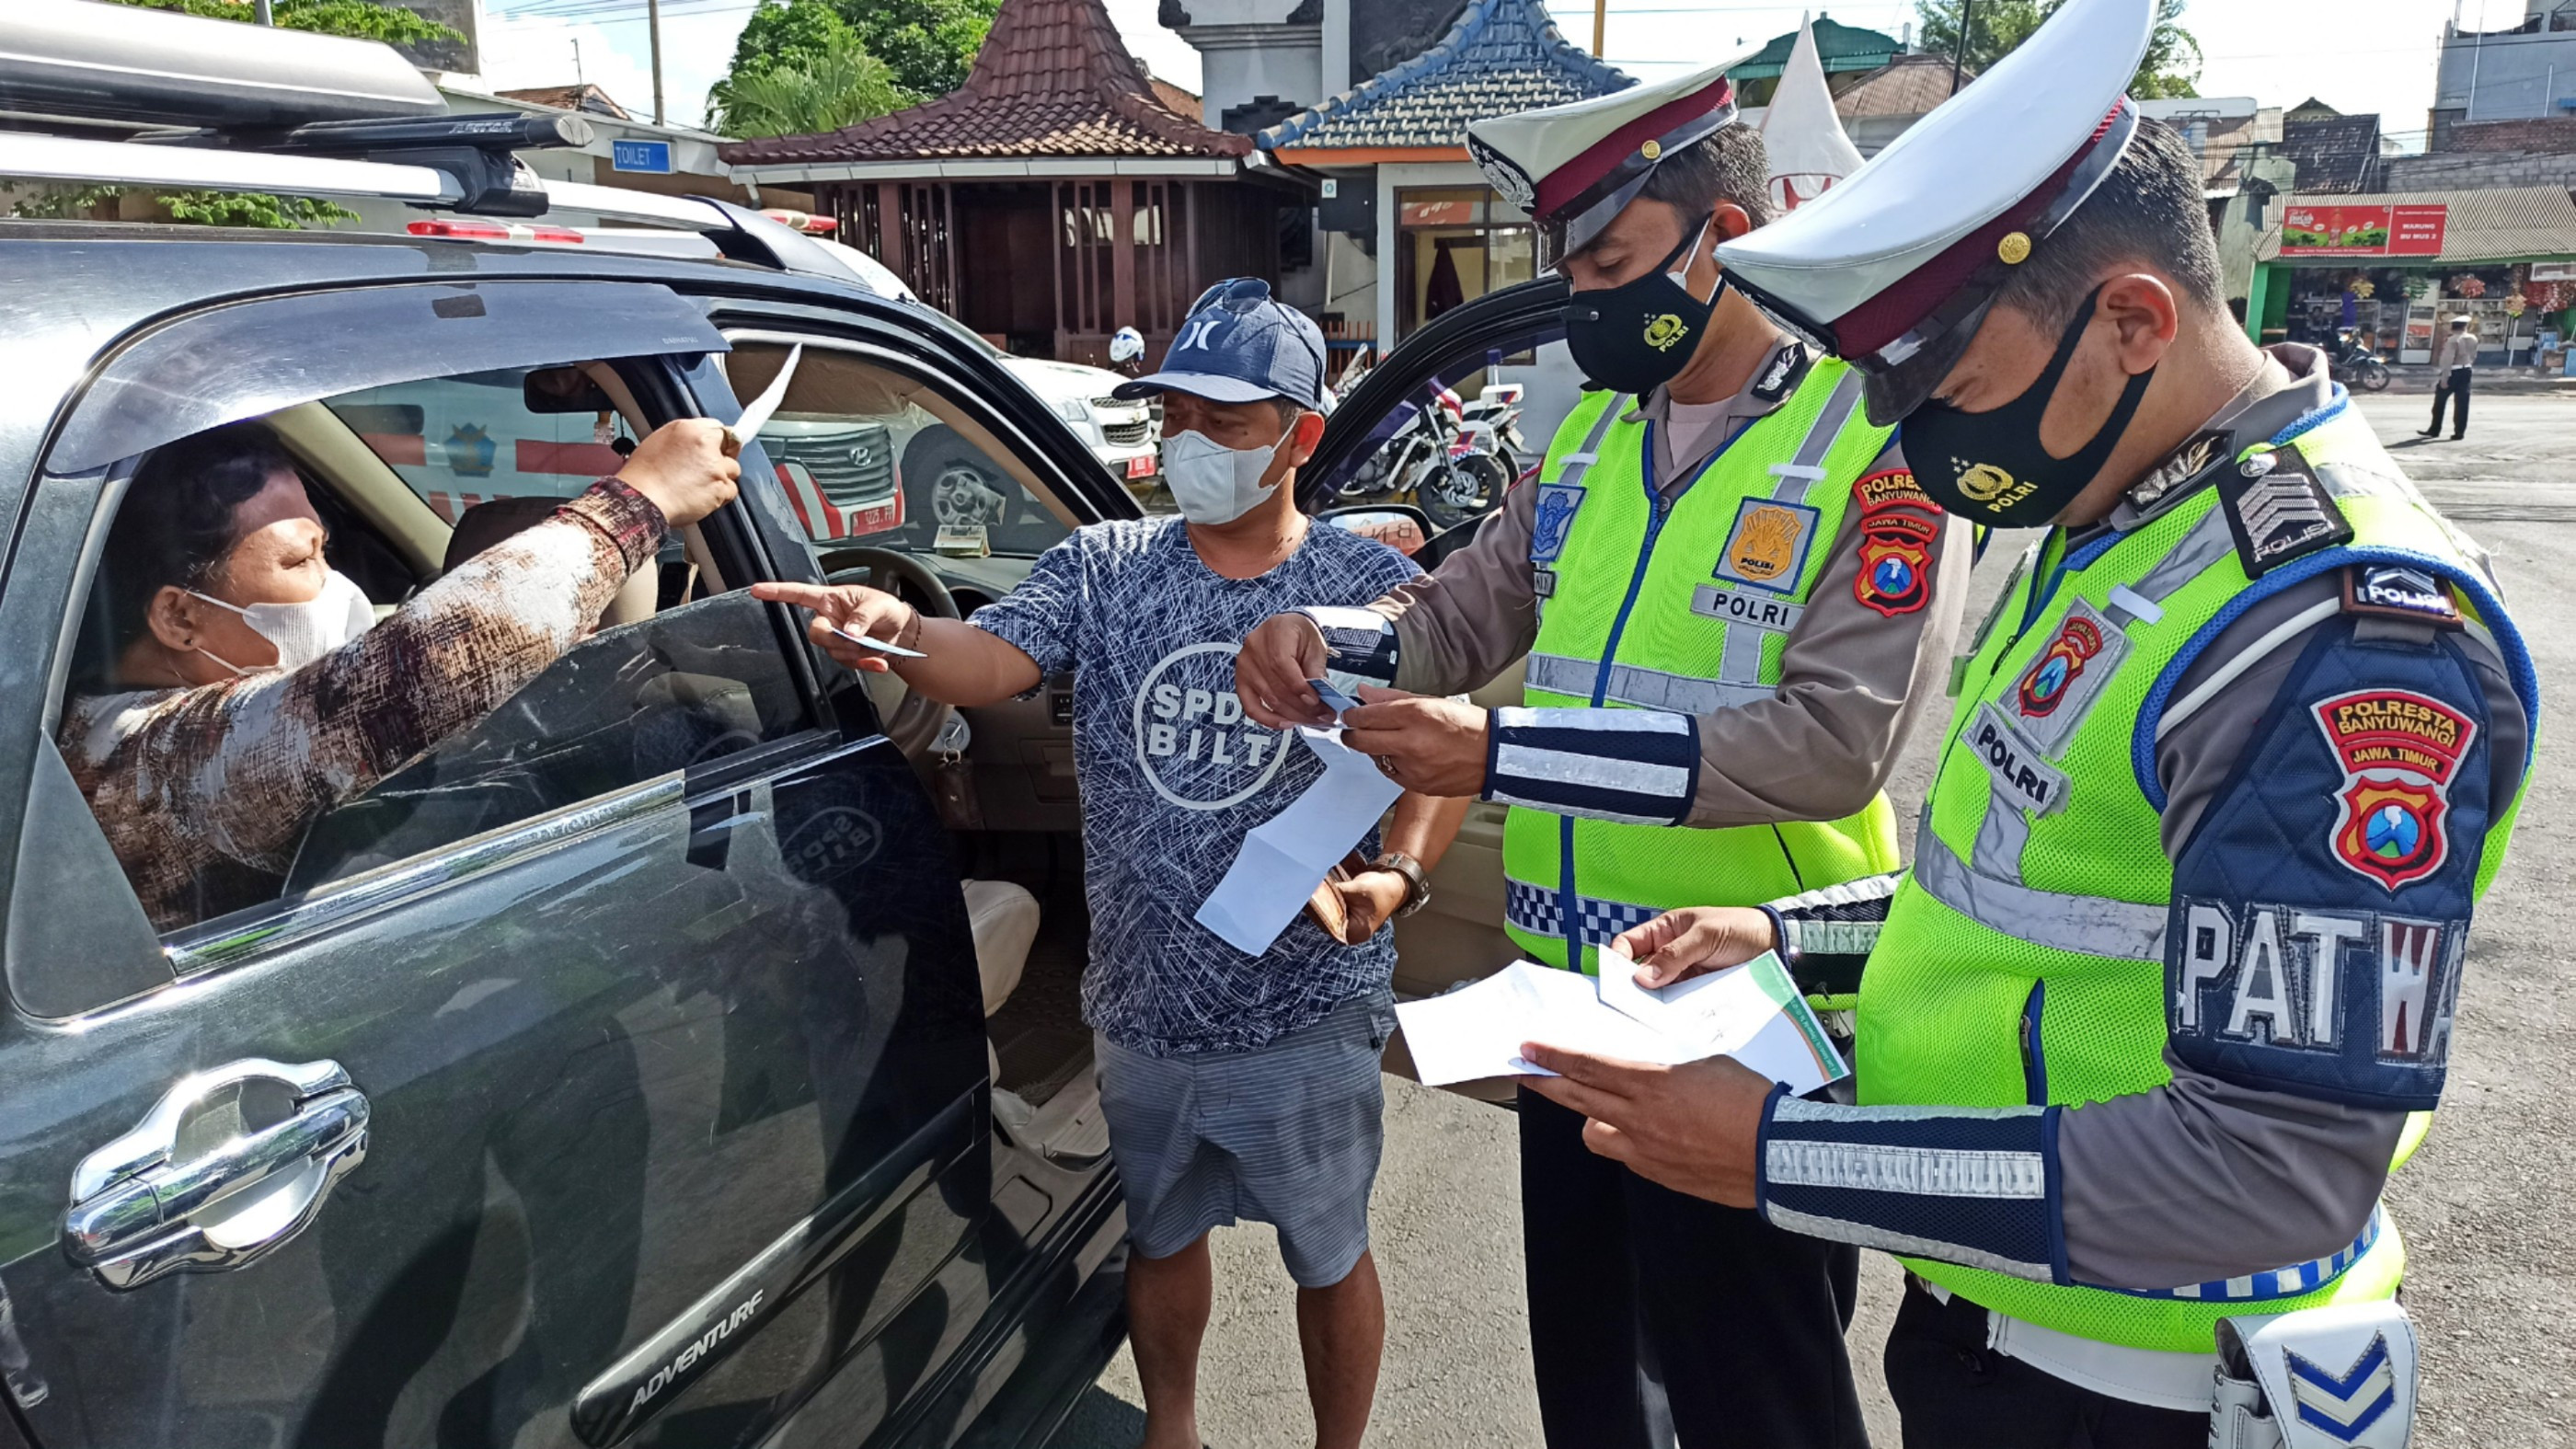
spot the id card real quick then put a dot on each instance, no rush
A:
(879, 645)
(1333, 699)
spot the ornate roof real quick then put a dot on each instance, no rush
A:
(1502, 56)
(1841, 47)
(1053, 79)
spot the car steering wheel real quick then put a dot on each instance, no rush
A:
(912, 719)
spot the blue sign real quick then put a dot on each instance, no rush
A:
(653, 156)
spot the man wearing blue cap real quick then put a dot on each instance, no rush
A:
(1235, 1085)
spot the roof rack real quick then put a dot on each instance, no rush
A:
(246, 108)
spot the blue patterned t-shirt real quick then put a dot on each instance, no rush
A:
(1174, 775)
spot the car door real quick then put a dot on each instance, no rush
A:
(875, 389)
(1507, 335)
(610, 1071)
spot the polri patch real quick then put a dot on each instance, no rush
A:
(2278, 511)
(1767, 547)
(1552, 520)
(2020, 773)
(1899, 524)
(2399, 751)
(2062, 684)
(2395, 591)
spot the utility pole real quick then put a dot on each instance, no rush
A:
(259, 13)
(1600, 24)
(653, 22)
(1958, 54)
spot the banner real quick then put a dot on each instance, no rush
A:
(2363, 231)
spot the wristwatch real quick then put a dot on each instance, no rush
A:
(1417, 889)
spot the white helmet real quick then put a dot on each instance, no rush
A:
(1127, 345)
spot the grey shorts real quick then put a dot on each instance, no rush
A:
(1287, 1134)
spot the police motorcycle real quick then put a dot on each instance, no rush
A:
(1452, 466)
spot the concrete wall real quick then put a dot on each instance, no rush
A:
(1249, 49)
(2515, 76)
(2477, 170)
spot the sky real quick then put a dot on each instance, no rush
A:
(2355, 55)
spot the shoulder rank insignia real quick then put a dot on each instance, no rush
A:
(2394, 591)
(1781, 376)
(2278, 511)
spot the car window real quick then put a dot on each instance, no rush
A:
(872, 457)
(460, 441)
(532, 682)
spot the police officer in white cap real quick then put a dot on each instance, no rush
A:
(1733, 599)
(2234, 759)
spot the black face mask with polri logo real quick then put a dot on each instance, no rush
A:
(1991, 467)
(1637, 336)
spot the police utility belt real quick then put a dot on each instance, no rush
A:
(2319, 1378)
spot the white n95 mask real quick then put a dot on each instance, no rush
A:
(304, 632)
(1212, 483)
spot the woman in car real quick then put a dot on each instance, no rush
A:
(240, 691)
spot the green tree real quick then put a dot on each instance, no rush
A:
(806, 95)
(359, 19)
(2171, 66)
(926, 45)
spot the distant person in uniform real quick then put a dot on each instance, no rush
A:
(2457, 364)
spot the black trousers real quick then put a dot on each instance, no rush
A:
(2454, 389)
(1653, 1313)
(1956, 1393)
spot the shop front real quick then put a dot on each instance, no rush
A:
(2393, 269)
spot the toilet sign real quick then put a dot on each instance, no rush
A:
(652, 156)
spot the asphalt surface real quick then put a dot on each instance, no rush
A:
(2484, 1207)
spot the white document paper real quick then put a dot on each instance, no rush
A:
(1751, 1012)
(1282, 861)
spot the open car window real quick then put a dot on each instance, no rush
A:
(641, 677)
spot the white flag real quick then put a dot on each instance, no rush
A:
(1809, 151)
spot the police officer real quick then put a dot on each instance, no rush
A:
(2233, 760)
(1731, 595)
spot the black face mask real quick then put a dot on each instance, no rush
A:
(1990, 466)
(1637, 336)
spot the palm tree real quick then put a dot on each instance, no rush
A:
(840, 87)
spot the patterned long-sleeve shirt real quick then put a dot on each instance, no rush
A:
(205, 793)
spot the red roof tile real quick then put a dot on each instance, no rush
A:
(1053, 79)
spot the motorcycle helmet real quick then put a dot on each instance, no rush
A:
(1127, 345)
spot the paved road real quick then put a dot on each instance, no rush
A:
(2484, 1207)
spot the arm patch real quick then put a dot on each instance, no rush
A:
(2321, 910)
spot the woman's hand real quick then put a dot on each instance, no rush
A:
(682, 467)
(844, 609)
(1693, 941)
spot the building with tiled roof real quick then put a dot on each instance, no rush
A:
(1053, 198)
(586, 98)
(1843, 49)
(1501, 56)
(2334, 154)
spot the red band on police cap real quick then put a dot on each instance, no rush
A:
(1896, 308)
(1566, 184)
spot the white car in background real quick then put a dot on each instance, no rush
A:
(1122, 435)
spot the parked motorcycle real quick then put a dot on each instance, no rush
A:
(2349, 364)
(1452, 466)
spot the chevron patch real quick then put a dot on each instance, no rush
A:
(2345, 1405)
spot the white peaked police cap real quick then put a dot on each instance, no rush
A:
(1894, 268)
(1574, 167)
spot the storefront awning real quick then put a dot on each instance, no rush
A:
(2424, 228)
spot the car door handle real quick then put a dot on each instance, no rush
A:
(140, 1209)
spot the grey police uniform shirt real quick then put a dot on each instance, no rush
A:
(2204, 1179)
(1852, 680)
(1174, 775)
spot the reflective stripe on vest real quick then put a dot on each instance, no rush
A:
(1643, 688)
(2087, 925)
(1540, 911)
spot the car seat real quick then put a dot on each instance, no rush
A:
(1004, 918)
(487, 523)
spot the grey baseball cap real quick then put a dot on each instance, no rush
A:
(1240, 344)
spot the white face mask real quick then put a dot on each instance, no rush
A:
(307, 631)
(1213, 483)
